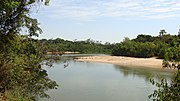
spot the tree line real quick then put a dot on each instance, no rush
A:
(88, 46)
(145, 46)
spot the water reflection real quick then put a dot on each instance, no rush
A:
(145, 73)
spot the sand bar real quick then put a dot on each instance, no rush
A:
(124, 61)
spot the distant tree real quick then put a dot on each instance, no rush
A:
(144, 38)
(162, 32)
(134, 49)
(179, 32)
(161, 48)
(107, 43)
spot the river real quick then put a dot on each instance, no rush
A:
(87, 81)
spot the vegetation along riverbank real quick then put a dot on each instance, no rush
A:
(22, 77)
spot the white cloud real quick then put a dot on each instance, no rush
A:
(92, 9)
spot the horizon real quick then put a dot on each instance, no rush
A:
(79, 40)
(107, 21)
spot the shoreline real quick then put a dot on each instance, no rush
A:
(124, 61)
(60, 53)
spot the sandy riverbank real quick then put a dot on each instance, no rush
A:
(60, 53)
(124, 61)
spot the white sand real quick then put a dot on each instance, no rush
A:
(124, 61)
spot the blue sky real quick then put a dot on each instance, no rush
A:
(107, 20)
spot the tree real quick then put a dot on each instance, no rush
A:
(135, 49)
(14, 16)
(179, 32)
(144, 38)
(162, 32)
(21, 76)
(169, 91)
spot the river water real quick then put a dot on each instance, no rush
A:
(87, 81)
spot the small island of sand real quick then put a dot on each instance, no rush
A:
(124, 61)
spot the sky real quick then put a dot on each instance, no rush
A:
(107, 20)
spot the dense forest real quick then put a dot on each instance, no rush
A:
(85, 47)
(145, 46)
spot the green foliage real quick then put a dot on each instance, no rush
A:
(164, 46)
(166, 91)
(23, 70)
(173, 54)
(144, 38)
(169, 91)
(87, 46)
(21, 76)
(134, 49)
(145, 46)
(14, 16)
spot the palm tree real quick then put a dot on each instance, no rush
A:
(162, 32)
